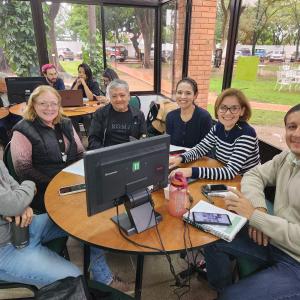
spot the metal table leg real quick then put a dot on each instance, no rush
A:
(139, 277)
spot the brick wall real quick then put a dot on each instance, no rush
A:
(201, 45)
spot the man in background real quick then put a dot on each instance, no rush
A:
(51, 75)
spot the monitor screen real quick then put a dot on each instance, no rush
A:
(119, 170)
(20, 88)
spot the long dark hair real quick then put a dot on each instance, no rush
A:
(191, 82)
(87, 71)
(110, 74)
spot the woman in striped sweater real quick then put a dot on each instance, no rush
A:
(233, 140)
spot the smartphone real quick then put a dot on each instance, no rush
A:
(71, 189)
(210, 189)
(211, 218)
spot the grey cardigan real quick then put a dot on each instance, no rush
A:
(14, 198)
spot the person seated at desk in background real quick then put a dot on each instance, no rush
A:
(188, 124)
(86, 83)
(43, 144)
(107, 76)
(235, 141)
(271, 240)
(35, 264)
(50, 73)
(116, 122)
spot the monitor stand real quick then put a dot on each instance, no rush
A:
(140, 214)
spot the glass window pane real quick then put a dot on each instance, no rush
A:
(173, 29)
(18, 53)
(130, 45)
(270, 74)
(73, 37)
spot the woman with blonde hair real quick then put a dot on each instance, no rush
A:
(44, 142)
(42, 145)
(234, 141)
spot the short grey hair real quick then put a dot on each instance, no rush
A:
(117, 84)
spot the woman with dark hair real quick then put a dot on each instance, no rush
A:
(188, 124)
(86, 83)
(108, 76)
(233, 139)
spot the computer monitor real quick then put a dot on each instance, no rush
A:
(20, 88)
(122, 174)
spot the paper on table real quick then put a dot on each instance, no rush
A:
(76, 168)
(174, 148)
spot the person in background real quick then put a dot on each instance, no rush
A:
(118, 121)
(35, 264)
(86, 83)
(107, 76)
(42, 145)
(234, 140)
(271, 240)
(188, 124)
(50, 73)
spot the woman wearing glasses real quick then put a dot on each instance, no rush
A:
(233, 139)
(43, 144)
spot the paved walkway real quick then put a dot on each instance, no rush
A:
(143, 78)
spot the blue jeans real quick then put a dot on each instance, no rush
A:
(279, 280)
(37, 265)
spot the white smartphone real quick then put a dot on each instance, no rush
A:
(71, 189)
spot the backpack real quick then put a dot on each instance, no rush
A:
(156, 119)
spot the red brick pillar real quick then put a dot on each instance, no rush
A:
(201, 45)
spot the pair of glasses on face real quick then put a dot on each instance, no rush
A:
(234, 109)
(47, 104)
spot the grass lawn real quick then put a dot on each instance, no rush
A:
(260, 117)
(261, 90)
(71, 66)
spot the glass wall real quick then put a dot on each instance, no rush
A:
(18, 53)
(172, 47)
(129, 38)
(218, 54)
(267, 64)
(73, 36)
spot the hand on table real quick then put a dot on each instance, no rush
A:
(174, 161)
(186, 172)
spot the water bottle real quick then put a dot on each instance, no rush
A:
(178, 196)
(20, 235)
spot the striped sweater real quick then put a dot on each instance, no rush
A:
(237, 149)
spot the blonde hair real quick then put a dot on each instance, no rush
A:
(242, 99)
(30, 113)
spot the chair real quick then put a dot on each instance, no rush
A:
(7, 159)
(135, 101)
(284, 78)
(13, 285)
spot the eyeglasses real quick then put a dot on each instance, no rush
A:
(47, 104)
(234, 109)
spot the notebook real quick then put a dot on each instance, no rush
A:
(226, 233)
(71, 98)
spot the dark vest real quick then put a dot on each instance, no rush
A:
(46, 153)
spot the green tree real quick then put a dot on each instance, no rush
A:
(17, 37)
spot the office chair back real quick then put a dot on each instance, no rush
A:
(7, 159)
(135, 101)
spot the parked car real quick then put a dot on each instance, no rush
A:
(242, 52)
(65, 53)
(277, 55)
(294, 57)
(261, 53)
(119, 53)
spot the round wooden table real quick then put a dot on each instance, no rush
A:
(70, 213)
(4, 112)
(89, 108)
